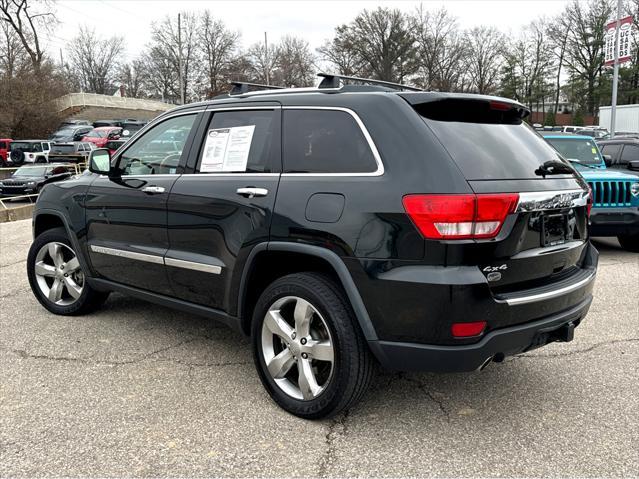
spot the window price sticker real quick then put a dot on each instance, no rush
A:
(227, 149)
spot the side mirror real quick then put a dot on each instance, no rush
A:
(100, 161)
(633, 165)
(607, 160)
(78, 137)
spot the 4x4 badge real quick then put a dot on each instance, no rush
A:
(489, 269)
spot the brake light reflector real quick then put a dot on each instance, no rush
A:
(466, 216)
(467, 330)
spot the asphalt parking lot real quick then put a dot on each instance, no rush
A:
(139, 390)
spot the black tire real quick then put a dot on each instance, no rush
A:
(353, 365)
(17, 157)
(89, 299)
(629, 242)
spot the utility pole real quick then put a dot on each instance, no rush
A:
(266, 64)
(61, 59)
(181, 78)
(615, 75)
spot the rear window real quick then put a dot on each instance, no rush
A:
(488, 145)
(584, 151)
(63, 149)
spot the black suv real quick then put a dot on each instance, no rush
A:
(622, 153)
(340, 227)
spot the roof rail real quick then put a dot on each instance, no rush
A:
(333, 81)
(240, 87)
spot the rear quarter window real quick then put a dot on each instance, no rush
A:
(324, 141)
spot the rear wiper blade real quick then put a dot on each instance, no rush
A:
(577, 162)
(554, 167)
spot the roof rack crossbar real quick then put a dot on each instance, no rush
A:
(240, 87)
(332, 81)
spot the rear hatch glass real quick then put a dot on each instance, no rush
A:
(63, 149)
(487, 141)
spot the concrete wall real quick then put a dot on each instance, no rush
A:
(16, 214)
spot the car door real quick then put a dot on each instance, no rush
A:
(220, 209)
(126, 213)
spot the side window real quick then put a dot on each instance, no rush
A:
(611, 150)
(37, 148)
(159, 150)
(324, 141)
(240, 141)
(629, 153)
(3, 145)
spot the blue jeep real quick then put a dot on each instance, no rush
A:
(615, 194)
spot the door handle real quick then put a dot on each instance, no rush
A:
(251, 192)
(153, 190)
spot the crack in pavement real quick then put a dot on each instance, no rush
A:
(572, 353)
(422, 387)
(12, 264)
(25, 355)
(337, 428)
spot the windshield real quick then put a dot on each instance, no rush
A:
(584, 151)
(31, 171)
(97, 134)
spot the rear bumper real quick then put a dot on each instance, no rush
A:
(614, 221)
(496, 344)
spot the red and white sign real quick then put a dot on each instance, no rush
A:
(625, 41)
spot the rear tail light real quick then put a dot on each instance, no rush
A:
(468, 330)
(460, 216)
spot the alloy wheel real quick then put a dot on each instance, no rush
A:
(58, 273)
(297, 348)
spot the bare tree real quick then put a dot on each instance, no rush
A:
(340, 53)
(132, 77)
(94, 60)
(13, 57)
(585, 44)
(383, 41)
(219, 46)
(161, 80)
(263, 62)
(295, 63)
(558, 31)
(27, 21)
(485, 54)
(166, 38)
(441, 49)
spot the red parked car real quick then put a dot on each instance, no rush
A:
(5, 149)
(101, 135)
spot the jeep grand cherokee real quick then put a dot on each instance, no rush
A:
(339, 226)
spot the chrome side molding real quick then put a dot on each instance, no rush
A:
(156, 259)
(205, 268)
(149, 258)
(551, 200)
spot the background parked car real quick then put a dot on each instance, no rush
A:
(5, 144)
(596, 134)
(130, 128)
(74, 122)
(99, 136)
(113, 145)
(623, 152)
(70, 133)
(75, 152)
(29, 151)
(30, 179)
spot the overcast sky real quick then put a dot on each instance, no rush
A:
(313, 20)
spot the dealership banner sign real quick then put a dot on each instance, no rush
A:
(625, 41)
